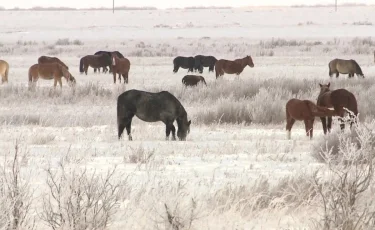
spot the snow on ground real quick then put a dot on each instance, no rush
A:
(52, 126)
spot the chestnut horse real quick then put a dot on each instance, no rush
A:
(94, 61)
(232, 67)
(50, 71)
(304, 110)
(46, 59)
(120, 66)
(4, 71)
(337, 99)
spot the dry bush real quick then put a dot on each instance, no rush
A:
(16, 196)
(66, 42)
(343, 188)
(78, 199)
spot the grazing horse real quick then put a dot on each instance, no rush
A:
(232, 67)
(152, 107)
(46, 59)
(109, 53)
(204, 61)
(192, 80)
(4, 71)
(94, 61)
(120, 66)
(183, 62)
(351, 67)
(50, 71)
(304, 110)
(336, 99)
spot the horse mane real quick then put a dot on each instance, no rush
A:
(357, 66)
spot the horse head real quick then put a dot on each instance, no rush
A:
(183, 129)
(324, 88)
(65, 73)
(250, 61)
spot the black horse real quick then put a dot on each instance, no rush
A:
(183, 62)
(204, 61)
(152, 107)
(109, 53)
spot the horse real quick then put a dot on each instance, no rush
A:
(338, 99)
(46, 59)
(152, 107)
(4, 71)
(50, 71)
(351, 67)
(204, 61)
(304, 110)
(120, 66)
(109, 53)
(94, 61)
(232, 67)
(192, 80)
(183, 62)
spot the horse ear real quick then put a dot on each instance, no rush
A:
(320, 85)
(329, 84)
(189, 122)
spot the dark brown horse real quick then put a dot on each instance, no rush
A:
(304, 110)
(351, 67)
(46, 59)
(50, 71)
(336, 99)
(94, 61)
(192, 80)
(109, 53)
(232, 67)
(120, 66)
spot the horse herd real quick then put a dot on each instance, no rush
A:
(165, 107)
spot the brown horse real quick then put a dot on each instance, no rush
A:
(95, 61)
(4, 71)
(120, 66)
(232, 67)
(192, 80)
(50, 71)
(336, 99)
(351, 67)
(46, 59)
(304, 110)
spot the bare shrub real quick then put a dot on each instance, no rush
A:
(265, 52)
(78, 199)
(62, 42)
(42, 139)
(140, 155)
(362, 41)
(16, 196)
(77, 42)
(343, 189)
(362, 23)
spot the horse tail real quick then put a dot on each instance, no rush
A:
(81, 65)
(6, 73)
(30, 74)
(204, 81)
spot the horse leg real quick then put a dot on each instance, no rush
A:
(126, 78)
(329, 126)
(123, 123)
(95, 70)
(324, 123)
(289, 124)
(60, 83)
(170, 127)
(114, 77)
(86, 68)
(310, 127)
(55, 83)
(337, 74)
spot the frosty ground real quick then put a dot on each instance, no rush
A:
(237, 148)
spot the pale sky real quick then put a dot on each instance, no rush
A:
(164, 3)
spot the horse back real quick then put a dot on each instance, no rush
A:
(299, 109)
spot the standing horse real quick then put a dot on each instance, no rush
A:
(351, 67)
(204, 61)
(50, 71)
(183, 62)
(46, 59)
(120, 66)
(192, 80)
(338, 99)
(152, 107)
(304, 110)
(232, 67)
(4, 71)
(94, 61)
(109, 53)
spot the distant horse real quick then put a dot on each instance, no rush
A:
(152, 107)
(204, 61)
(50, 71)
(120, 66)
(183, 62)
(304, 110)
(351, 67)
(109, 53)
(192, 80)
(94, 61)
(4, 71)
(232, 67)
(46, 59)
(338, 99)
